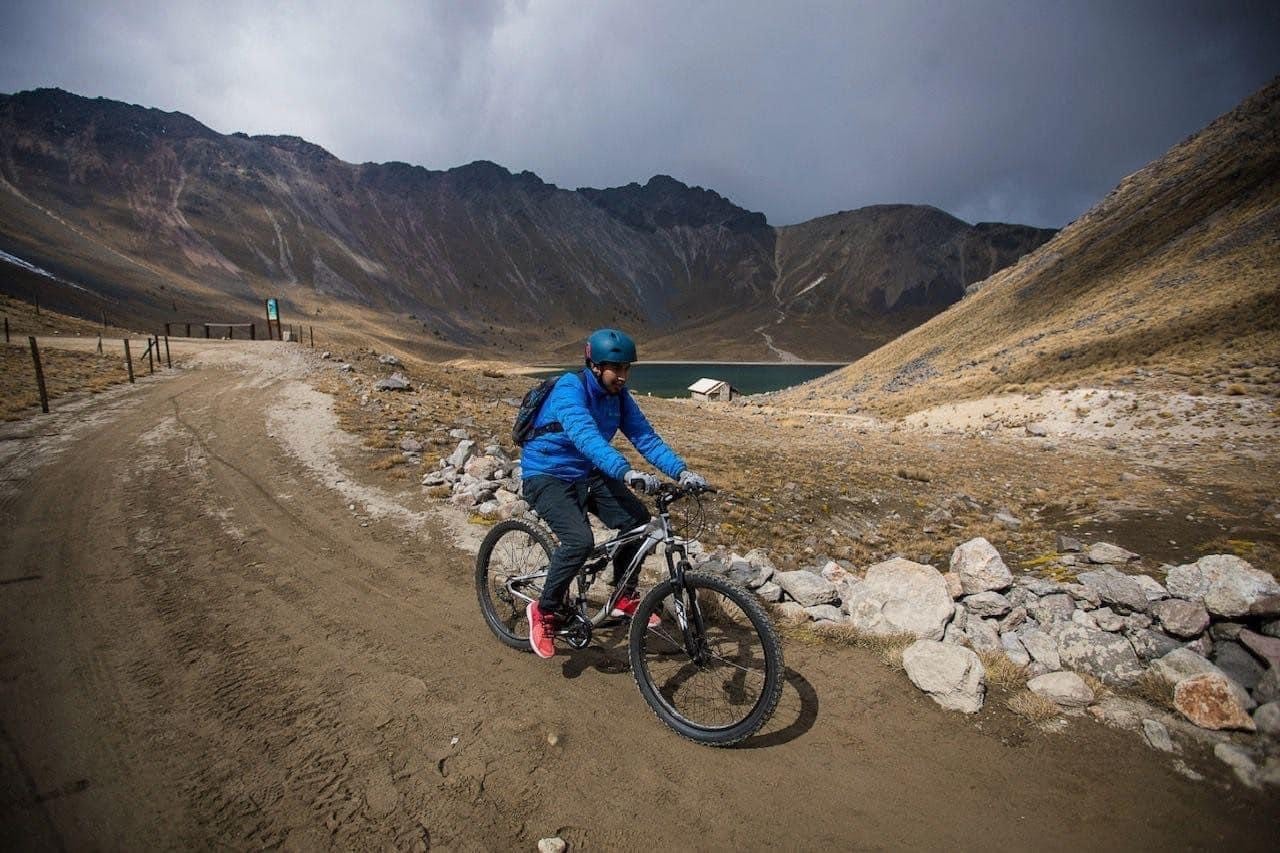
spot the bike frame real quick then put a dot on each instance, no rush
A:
(657, 531)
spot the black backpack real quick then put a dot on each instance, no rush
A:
(522, 431)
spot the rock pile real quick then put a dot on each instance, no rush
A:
(486, 481)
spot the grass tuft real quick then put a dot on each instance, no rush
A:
(1156, 689)
(1032, 706)
(1002, 672)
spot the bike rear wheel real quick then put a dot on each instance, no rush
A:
(511, 549)
(717, 682)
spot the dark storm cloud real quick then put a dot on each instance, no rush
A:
(1025, 112)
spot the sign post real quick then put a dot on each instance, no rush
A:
(273, 317)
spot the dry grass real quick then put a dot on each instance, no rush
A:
(887, 647)
(1002, 672)
(65, 372)
(387, 462)
(1154, 689)
(1032, 706)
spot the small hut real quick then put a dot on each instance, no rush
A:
(713, 389)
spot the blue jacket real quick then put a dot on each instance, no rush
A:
(590, 416)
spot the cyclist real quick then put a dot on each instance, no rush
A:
(569, 469)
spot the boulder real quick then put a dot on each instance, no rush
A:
(983, 635)
(1182, 663)
(410, 445)
(1237, 664)
(1084, 596)
(791, 610)
(1268, 689)
(1152, 644)
(769, 591)
(1067, 543)
(899, 596)
(1108, 620)
(1084, 620)
(980, 567)
(1055, 607)
(1108, 657)
(1228, 586)
(954, 589)
(806, 588)
(986, 604)
(1267, 719)
(1064, 688)
(1115, 587)
(1266, 648)
(826, 613)
(1014, 650)
(1180, 617)
(758, 557)
(1208, 701)
(1007, 520)
(951, 675)
(1042, 648)
(748, 574)
(464, 451)
(482, 467)
(1015, 618)
(1154, 591)
(1104, 553)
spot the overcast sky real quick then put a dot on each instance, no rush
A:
(1016, 111)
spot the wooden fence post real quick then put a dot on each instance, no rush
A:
(166, 330)
(312, 329)
(253, 331)
(104, 318)
(188, 330)
(128, 360)
(6, 330)
(151, 362)
(206, 330)
(35, 356)
(99, 344)
(167, 358)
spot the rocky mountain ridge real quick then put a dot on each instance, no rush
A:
(165, 218)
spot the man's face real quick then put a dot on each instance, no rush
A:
(613, 376)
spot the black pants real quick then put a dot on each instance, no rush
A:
(564, 506)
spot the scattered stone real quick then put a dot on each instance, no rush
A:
(1117, 713)
(980, 567)
(1271, 629)
(1268, 689)
(1157, 736)
(1181, 766)
(1115, 587)
(1239, 761)
(1039, 586)
(1084, 620)
(1267, 648)
(806, 588)
(394, 382)
(1225, 630)
(460, 434)
(1209, 701)
(1180, 617)
(555, 844)
(1006, 520)
(1137, 622)
(899, 596)
(1267, 719)
(345, 368)
(389, 359)
(835, 572)
(986, 604)
(1182, 663)
(1067, 544)
(790, 610)
(410, 445)
(1201, 645)
(326, 355)
(1087, 598)
(954, 589)
(1106, 656)
(1104, 553)
(1066, 689)
(951, 675)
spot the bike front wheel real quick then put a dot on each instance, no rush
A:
(511, 568)
(717, 680)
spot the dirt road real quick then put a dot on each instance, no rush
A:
(213, 634)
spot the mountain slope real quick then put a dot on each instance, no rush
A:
(1176, 273)
(169, 220)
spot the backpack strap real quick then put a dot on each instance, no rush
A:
(554, 426)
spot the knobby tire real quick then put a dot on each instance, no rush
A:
(513, 547)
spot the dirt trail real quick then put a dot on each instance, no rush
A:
(201, 645)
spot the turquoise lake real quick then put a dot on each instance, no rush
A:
(672, 379)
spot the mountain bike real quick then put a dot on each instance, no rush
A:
(711, 669)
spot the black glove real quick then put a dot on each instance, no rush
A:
(646, 484)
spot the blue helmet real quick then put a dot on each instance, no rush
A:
(610, 345)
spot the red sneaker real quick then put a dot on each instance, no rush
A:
(542, 631)
(626, 607)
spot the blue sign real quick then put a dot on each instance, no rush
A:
(273, 312)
